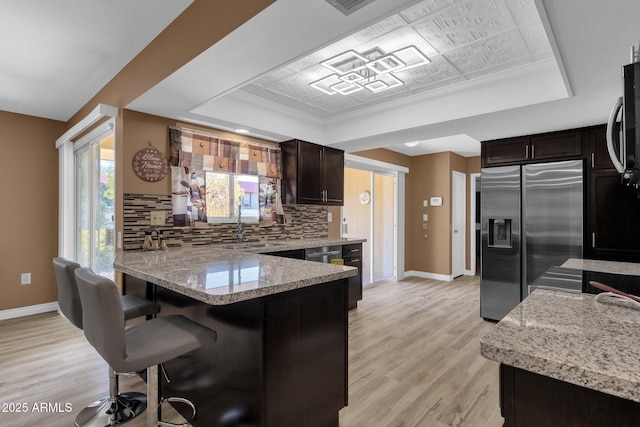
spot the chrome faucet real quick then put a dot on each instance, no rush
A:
(240, 237)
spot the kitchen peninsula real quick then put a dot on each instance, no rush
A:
(566, 359)
(281, 354)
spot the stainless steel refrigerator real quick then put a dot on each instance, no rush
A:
(532, 219)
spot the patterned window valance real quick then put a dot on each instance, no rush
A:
(208, 152)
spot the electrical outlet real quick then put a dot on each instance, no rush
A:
(158, 217)
(329, 216)
(25, 278)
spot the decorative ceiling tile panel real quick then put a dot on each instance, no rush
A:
(522, 11)
(424, 9)
(535, 38)
(467, 22)
(488, 53)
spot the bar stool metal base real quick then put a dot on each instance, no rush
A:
(178, 400)
(99, 414)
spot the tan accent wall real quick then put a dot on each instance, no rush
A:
(29, 214)
(430, 176)
(387, 156)
(335, 229)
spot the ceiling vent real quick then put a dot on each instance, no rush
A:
(348, 6)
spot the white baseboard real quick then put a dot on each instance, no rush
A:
(28, 311)
(427, 275)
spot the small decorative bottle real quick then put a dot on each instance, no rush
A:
(146, 245)
(163, 241)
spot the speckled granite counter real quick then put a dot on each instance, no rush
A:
(615, 267)
(571, 338)
(288, 245)
(217, 276)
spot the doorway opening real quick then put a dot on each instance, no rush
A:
(369, 213)
(95, 200)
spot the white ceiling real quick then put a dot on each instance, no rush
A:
(499, 67)
(56, 55)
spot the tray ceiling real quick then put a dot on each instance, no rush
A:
(464, 40)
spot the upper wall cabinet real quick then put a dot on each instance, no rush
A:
(543, 147)
(312, 174)
(596, 141)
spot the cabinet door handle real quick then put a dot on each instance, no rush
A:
(526, 151)
(593, 239)
(533, 151)
(593, 160)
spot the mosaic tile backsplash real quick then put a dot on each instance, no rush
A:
(307, 222)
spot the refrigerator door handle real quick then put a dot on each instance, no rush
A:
(619, 163)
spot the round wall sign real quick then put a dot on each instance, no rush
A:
(150, 164)
(365, 197)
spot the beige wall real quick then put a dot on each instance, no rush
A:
(29, 214)
(429, 176)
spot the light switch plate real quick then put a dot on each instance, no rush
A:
(425, 217)
(158, 217)
(425, 203)
(25, 278)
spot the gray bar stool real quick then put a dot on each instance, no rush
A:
(138, 347)
(116, 408)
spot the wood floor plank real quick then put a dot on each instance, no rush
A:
(414, 357)
(414, 361)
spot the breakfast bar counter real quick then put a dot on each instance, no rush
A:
(568, 360)
(281, 354)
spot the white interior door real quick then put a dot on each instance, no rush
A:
(458, 223)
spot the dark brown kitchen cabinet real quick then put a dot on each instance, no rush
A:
(352, 256)
(312, 174)
(596, 140)
(556, 146)
(504, 151)
(614, 210)
(543, 147)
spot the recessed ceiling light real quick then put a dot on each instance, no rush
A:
(240, 130)
(412, 144)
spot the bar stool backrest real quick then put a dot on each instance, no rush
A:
(68, 297)
(102, 316)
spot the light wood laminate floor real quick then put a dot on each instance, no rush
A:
(414, 360)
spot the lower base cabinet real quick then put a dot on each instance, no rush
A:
(352, 256)
(533, 400)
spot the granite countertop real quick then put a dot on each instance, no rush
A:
(219, 276)
(572, 338)
(615, 267)
(288, 245)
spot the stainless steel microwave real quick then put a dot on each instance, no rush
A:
(623, 138)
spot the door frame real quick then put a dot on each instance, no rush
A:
(66, 178)
(473, 209)
(455, 214)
